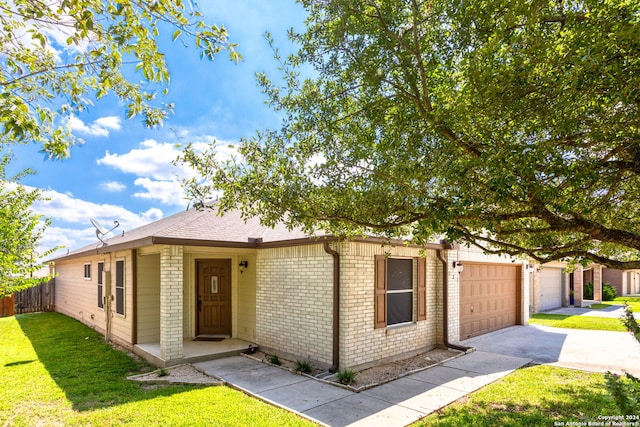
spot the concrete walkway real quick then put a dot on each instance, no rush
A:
(614, 311)
(397, 403)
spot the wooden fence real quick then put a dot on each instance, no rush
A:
(6, 307)
(37, 298)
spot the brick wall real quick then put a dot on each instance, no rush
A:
(171, 302)
(362, 344)
(294, 301)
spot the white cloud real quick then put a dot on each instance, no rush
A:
(153, 159)
(167, 192)
(100, 127)
(152, 214)
(152, 163)
(113, 186)
(71, 226)
(109, 122)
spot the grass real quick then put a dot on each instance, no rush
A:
(531, 396)
(56, 371)
(578, 322)
(633, 302)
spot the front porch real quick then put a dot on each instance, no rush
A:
(192, 351)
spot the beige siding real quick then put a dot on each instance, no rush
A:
(294, 301)
(78, 298)
(361, 344)
(148, 298)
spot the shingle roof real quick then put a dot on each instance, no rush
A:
(195, 227)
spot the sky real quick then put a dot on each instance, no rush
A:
(123, 171)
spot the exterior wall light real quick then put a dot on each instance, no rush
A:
(458, 267)
(243, 265)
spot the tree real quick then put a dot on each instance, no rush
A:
(55, 56)
(512, 125)
(20, 231)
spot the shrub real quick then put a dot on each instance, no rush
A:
(346, 377)
(303, 366)
(609, 292)
(629, 321)
(587, 291)
(625, 391)
(274, 359)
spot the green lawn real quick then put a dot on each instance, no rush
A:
(578, 322)
(531, 396)
(56, 371)
(633, 302)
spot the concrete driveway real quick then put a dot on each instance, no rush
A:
(598, 351)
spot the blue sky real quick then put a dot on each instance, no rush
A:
(123, 170)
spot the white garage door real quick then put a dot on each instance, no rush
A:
(550, 288)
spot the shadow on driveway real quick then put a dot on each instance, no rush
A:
(598, 351)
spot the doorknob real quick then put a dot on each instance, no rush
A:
(199, 303)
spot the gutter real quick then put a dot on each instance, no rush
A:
(336, 307)
(445, 305)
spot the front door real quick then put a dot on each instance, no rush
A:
(214, 297)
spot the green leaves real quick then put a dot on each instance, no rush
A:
(511, 125)
(38, 75)
(20, 230)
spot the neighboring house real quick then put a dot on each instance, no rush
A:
(626, 282)
(553, 287)
(343, 304)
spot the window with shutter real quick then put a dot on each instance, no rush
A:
(394, 291)
(87, 271)
(120, 282)
(100, 285)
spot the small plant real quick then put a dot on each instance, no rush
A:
(609, 292)
(303, 366)
(629, 321)
(274, 359)
(625, 391)
(587, 291)
(346, 376)
(163, 372)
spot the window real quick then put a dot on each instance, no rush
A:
(120, 287)
(395, 296)
(100, 286)
(87, 271)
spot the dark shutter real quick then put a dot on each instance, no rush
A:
(380, 305)
(422, 289)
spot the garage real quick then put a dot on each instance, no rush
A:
(489, 298)
(550, 281)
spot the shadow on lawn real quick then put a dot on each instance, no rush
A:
(91, 373)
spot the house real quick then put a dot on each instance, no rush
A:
(626, 282)
(163, 287)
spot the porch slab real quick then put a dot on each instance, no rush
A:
(193, 351)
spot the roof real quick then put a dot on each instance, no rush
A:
(197, 227)
(204, 227)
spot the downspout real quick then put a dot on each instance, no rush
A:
(336, 307)
(445, 304)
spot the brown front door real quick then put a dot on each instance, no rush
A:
(214, 297)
